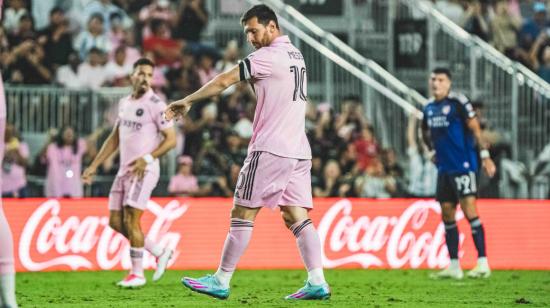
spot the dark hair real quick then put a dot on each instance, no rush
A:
(95, 50)
(264, 14)
(98, 17)
(56, 9)
(144, 61)
(442, 70)
(59, 138)
(156, 24)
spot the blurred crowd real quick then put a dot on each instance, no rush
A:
(518, 28)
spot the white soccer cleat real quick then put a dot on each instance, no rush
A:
(132, 281)
(481, 270)
(450, 272)
(162, 263)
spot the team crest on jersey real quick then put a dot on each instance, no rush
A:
(139, 112)
(446, 110)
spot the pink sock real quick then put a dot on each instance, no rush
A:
(6, 245)
(136, 254)
(153, 248)
(308, 243)
(235, 243)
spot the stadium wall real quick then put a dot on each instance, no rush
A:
(69, 234)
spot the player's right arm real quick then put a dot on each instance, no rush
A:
(107, 149)
(213, 88)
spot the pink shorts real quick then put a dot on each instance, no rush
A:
(270, 180)
(127, 190)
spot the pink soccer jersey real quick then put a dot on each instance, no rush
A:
(64, 167)
(139, 124)
(278, 76)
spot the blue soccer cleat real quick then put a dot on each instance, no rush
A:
(208, 285)
(311, 292)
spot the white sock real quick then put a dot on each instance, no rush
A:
(7, 291)
(153, 248)
(482, 261)
(223, 277)
(316, 276)
(455, 264)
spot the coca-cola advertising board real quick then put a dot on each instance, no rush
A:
(51, 234)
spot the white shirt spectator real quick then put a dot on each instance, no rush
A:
(451, 9)
(41, 13)
(92, 77)
(86, 41)
(422, 174)
(98, 7)
(115, 71)
(67, 77)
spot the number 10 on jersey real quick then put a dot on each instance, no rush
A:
(299, 77)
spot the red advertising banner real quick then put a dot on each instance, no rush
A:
(52, 234)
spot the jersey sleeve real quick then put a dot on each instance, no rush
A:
(158, 116)
(257, 66)
(465, 108)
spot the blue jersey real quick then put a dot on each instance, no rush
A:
(453, 141)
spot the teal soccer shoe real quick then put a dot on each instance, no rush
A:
(311, 292)
(208, 285)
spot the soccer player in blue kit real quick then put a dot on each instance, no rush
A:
(450, 128)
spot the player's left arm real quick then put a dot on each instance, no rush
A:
(486, 161)
(168, 143)
(213, 88)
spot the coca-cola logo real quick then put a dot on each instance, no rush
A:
(392, 241)
(48, 241)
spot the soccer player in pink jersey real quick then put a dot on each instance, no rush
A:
(7, 268)
(142, 135)
(276, 172)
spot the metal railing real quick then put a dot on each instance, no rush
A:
(517, 101)
(37, 109)
(336, 71)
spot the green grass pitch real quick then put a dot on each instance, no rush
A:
(350, 288)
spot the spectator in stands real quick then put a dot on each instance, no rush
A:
(105, 9)
(94, 37)
(229, 60)
(63, 156)
(158, 9)
(12, 15)
(532, 28)
(117, 33)
(540, 56)
(117, 71)
(27, 65)
(24, 32)
(330, 184)
(67, 75)
(206, 68)
(422, 171)
(14, 181)
(452, 9)
(92, 73)
(56, 39)
(367, 148)
(351, 121)
(476, 19)
(41, 12)
(183, 83)
(374, 183)
(348, 160)
(505, 27)
(192, 20)
(166, 51)
(184, 183)
(324, 138)
(391, 164)
(234, 152)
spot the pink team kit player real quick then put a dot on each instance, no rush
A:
(142, 135)
(276, 172)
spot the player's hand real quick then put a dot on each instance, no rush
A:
(432, 157)
(176, 110)
(489, 167)
(138, 167)
(88, 175)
